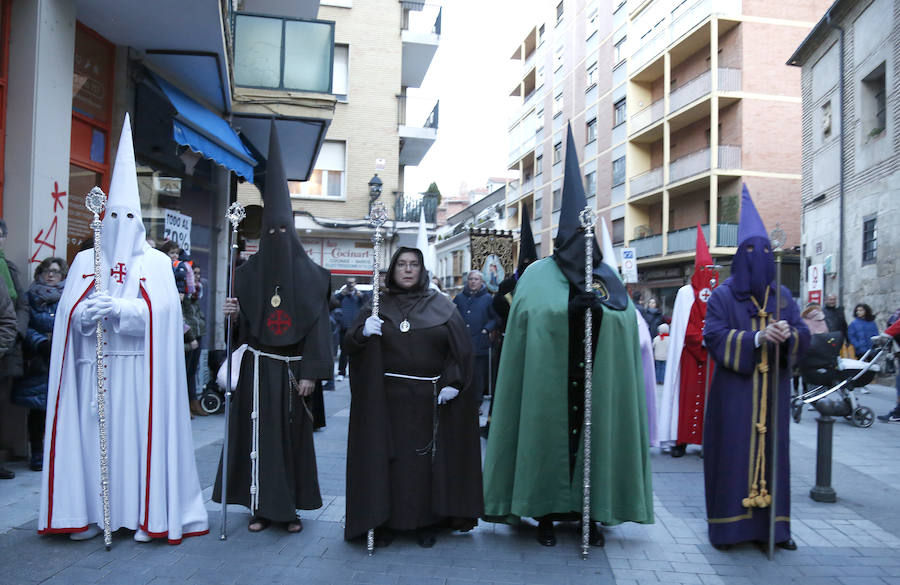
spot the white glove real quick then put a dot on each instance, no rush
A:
(447, 394)
(98, 306)
(372, 326)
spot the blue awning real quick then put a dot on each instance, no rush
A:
(206, 133)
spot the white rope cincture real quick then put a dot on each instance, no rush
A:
(254, 419)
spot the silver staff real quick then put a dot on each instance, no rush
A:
(234, 215)
(587, 218)
(377, 217)
(777, 238)
(95, 201)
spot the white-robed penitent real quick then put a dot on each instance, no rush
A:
(153, 481)
(667, 413)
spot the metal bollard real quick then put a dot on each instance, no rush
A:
(822, 491)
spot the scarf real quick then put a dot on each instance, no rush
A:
(7, 277)
(41, 295)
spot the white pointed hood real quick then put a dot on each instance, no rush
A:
(609, 254)
(428, 250)
(123, 237)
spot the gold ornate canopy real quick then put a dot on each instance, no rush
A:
(492, 254)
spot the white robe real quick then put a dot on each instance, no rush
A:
(153, 482)
(667, 413)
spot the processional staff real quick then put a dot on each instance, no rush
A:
(234, 215)
(377, 217)
(776, 238)
(587, 218)
(95, 201)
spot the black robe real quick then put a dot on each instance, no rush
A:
(288, 478)
(392, 479)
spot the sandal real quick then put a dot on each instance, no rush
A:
(294, 526)
(258, 524)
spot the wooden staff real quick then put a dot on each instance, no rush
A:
(234, 215)
(776, 244)
(95, 201)
(377, 217)
(587, 218)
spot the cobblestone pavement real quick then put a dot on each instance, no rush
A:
(852, 542)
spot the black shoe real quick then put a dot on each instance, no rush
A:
(891, 417)
(383, 537)
(722, 547)
(679, 450)
(7, 473)
(545, 533)
(788, 544)
(595, 534)
(425, 537)
(485, 430)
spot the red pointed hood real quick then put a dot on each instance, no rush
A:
(702, 275)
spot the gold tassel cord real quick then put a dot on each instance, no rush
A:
(759, 496)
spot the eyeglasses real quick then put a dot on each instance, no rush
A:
(53, 271)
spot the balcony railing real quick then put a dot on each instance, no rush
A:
(689, 165)
(727, 235)
(729, 79)
(690, 91)
(527, 186)
(647, 116)
(649, 246)
(404, 103)
(421, 17)
(729, 157)
(409, 207)
(645, 182)
(686, 239)
(283, 53)
(648, 51)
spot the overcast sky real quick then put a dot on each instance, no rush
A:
(472, 75)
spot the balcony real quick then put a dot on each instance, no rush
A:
(649, 246)
(421, 35)
(685, 240)
(727, 235)
(646, 182)
(282, 54)
(700, 86)
(648, 116)
(689, 165)
(648, 51)
(409, 207)
(414, 140)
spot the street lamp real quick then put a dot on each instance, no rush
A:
(374, 190)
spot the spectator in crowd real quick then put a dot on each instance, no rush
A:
(351, 300)
(475, 305)
(893, 331)
(834, 316)
(30, 391)
(11, 365)
(862, 329)
(652, 315)
(8, 335)
(660, 351)
(814, 318)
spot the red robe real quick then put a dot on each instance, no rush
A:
(692, 387)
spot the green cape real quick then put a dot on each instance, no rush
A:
(526, 470)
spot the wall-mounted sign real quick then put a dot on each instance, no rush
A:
(340, 256)
(629, 265)
(178, 229)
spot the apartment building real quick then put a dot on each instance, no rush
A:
(664, 143)
(382, 49)
(851, 153)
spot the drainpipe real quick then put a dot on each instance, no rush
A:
(841, 146)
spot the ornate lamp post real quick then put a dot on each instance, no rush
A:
(374, 191)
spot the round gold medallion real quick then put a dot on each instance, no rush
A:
(276, 299)
(404, 326)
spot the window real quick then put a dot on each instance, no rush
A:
(541, 35)
(618, 230)
(557, 104)
(557, 199)
(593, 22)
(559, 12)
(341, 71)
(559, 56)
(618, 171)
(873, 105)
(826, 119)
(619, 51)
(590, 185)
(538, 208)
(539, 165)
(619, 115)
(557, 152)
(327, 178)
(592, 131)
(591, 75)
(539, 77)
(870, 240)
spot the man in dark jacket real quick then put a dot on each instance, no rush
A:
(834, 316)
(475, 305)
(351, 300)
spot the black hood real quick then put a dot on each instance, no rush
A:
(568, 252)
(280, 266)
(527, 249)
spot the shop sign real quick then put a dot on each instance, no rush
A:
(340, 255)
(178, 229)
(814, 274)
(629, 265)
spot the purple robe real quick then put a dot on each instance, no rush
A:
(730, 441)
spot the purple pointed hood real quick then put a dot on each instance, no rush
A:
(753, 266)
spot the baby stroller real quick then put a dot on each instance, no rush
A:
(212, 401)
(838, 377)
